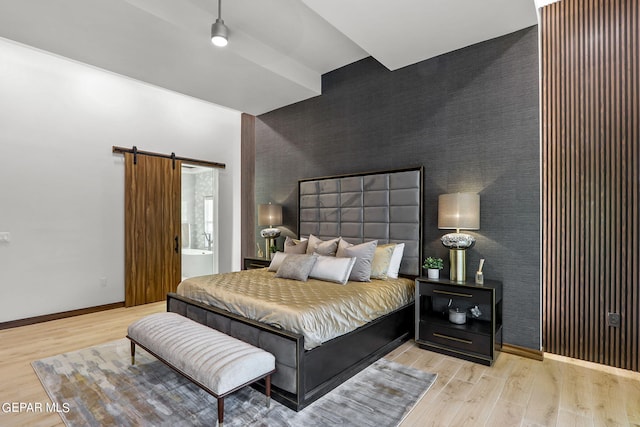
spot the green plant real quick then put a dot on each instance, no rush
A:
(273, 249)
(433, 263)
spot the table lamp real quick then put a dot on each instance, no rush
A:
(269, 215)
(458, 211)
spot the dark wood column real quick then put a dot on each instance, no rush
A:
(248, 184)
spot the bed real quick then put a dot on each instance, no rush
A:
(383, 206)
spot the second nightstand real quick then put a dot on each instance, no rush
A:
(478, 338)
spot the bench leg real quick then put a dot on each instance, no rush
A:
(220, 411)
(133, 353)
(267, 383)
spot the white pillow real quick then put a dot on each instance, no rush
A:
(277, 259)
(332, 269)
(396, 259)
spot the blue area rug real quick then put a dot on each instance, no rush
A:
(102, 388)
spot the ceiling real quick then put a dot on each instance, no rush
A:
(277, 51)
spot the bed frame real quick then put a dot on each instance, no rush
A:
(386, 206)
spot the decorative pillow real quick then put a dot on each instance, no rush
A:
(396, 260)
(322, 247)
(381, 261)
(296, 267)
(364, 252)
(293, 246)
(332, 269)
(277, 259)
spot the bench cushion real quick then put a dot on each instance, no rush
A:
(216, 360)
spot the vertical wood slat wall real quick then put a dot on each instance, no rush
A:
(248, 184)
(591, 173)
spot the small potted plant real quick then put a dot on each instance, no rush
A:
(433, 266)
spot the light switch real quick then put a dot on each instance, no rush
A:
(5, 236)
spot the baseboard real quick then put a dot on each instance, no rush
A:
(62, 315)
(523, 351)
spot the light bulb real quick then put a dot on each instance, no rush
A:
(219, 41)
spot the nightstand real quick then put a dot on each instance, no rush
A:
(251, 263)
(479, 338)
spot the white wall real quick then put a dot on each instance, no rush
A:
(62, 189)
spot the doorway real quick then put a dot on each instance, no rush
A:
(199, 221)
(157, 231)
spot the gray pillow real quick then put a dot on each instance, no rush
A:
(332, 269)
(293, 246)
(277, 259)
(322, 247)
(364, 253)
(296, 267)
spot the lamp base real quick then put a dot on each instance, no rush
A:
(457, 264)
(269, 234)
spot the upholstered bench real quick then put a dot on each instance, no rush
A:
(216, 362)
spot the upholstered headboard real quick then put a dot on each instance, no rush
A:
(384, 206)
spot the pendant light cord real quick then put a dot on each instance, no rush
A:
(219, 9)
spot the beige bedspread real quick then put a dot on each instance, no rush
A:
(317, 309)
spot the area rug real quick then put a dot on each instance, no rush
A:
(99, 387)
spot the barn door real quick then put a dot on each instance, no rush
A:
(152, 228)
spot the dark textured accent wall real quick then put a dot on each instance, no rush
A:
(470, 117)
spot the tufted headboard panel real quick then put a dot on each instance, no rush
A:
(384, 206)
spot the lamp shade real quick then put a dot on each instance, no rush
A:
(459, 211)
(269, 214)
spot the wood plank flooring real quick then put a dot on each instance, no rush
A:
(514, 392)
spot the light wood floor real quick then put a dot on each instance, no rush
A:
(514, 392)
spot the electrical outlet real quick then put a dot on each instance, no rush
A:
(613, 319)
(103, 282)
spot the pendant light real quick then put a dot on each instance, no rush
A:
(219, 31)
